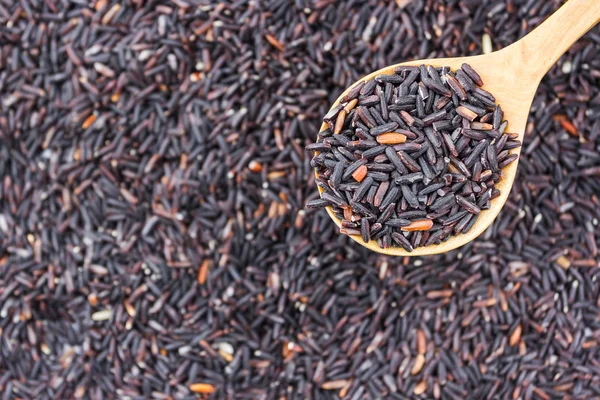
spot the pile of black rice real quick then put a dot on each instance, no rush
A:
(153, 242)
(412, 157)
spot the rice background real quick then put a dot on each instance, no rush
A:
(153, 242)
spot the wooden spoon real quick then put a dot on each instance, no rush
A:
(512, 75)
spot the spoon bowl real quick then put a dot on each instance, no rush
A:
(512, 75)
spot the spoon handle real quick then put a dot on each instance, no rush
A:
(541, 48)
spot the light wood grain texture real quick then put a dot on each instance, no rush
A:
(512, 75)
